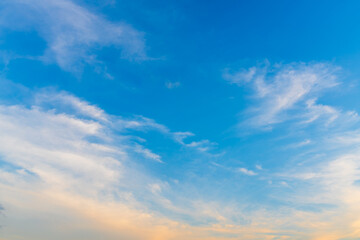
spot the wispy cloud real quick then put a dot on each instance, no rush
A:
(72, 32)
(246, 171)
(285, 92)
(331, 186)
(147, 153)
(298, 144)
(171, 85)
(202, 145)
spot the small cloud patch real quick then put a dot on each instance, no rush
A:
(172, 85)
(247, 171)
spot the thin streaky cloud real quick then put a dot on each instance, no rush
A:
(246, 171)
(283, 88)
(71, 32)
(172, 85)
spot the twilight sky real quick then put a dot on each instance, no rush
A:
(179, 120)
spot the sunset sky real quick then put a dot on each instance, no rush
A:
(179, 120)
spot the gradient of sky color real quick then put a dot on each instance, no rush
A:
(173, 120)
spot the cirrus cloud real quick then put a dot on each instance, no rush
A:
(72, 32)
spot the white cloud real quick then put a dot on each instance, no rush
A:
(315, 111)
(348, 138)
(331, 182)
(202, 145)
(67, 103)
(246, 171)
(71, 32)
(241, 77)
(147, 153)
(298, 144)
(66, 161)
(285, 88)
(155, 188)
(70, 161)
(171, 85)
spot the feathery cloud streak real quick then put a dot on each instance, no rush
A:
(71, 32)
(281, 89)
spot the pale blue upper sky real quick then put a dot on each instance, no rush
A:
(223, 119)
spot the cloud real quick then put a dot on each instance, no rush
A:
(67, 103)
(68, 159)
(318, 188)
(315, 111)
(202, 145)
(330, 183)
(171, 85)
(73, 163)
(147, 153)
(72, 32)
(241, 77)
(298, 144)
(285, 92)
(246, 171)
(65, 161)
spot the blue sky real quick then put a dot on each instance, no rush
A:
(179, 119)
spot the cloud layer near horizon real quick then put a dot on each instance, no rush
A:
(70, 167)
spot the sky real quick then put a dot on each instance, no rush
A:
(173, 120)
